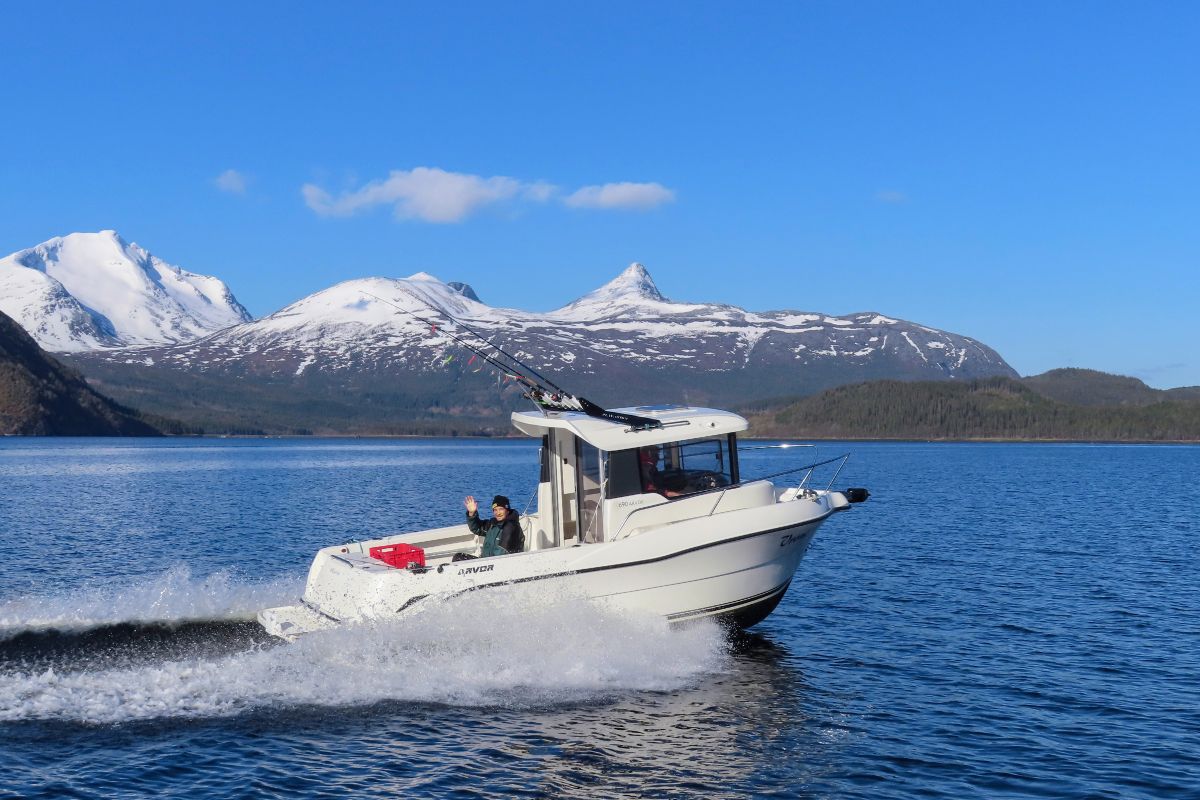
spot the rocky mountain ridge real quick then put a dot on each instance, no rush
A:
(410, 324)
(378, 354)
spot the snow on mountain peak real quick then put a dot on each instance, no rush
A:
(396, 305)
(95, 290)
(411, 326)
(635, 281)
(633, 289)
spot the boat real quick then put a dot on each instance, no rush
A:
(642, 507)
(709, 544)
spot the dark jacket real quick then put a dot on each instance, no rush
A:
(499, 537)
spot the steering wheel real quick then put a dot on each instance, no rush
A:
(709, 480)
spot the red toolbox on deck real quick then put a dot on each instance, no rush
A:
(399, 555)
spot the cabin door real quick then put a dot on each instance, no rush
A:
(576, 487)
(589, 480)
(563, 487)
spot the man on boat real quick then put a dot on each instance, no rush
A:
(648, 467)
(652, 478)
(501, 534)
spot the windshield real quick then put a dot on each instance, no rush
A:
(674, 469)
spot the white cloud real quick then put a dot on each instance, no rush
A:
(540, 191)
(231, 181)
(621, 195)
(425, 193)
(435, 195)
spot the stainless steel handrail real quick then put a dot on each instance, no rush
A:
(812, 467)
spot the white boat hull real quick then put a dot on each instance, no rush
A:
(735, 565)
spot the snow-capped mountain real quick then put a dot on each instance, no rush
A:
(631, 292)
(90, 291)
(624, 343)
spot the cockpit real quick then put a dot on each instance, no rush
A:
(596, 473)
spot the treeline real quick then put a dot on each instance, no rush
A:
(311, 405)
(989, 408)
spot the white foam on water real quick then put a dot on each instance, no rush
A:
(510, 647)
(171, 597)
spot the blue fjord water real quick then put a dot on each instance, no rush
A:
(999, 620)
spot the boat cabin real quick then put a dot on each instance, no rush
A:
(600, 477)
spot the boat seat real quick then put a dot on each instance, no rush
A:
(527, 528)
(536, 537)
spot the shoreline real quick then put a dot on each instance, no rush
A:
(407, 436)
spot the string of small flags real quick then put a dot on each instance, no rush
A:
(504, 377)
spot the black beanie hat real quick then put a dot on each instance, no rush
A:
(500, 500)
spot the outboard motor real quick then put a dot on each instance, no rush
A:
(857, 494)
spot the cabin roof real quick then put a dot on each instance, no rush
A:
(679, 423)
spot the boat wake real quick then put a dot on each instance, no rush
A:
(511, 647)
(173, 597)
(126, 644)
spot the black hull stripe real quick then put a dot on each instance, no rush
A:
(745, 601)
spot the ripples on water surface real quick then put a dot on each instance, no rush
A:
(998, 620)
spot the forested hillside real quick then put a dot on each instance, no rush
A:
(1088, 387)
(990, 408)
(40, 396)
(367, 404)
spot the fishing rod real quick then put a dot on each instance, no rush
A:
(505, 368)
(490, 359)
(480, 336)
(542, 397)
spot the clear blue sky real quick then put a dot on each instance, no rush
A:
(1026, 174)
